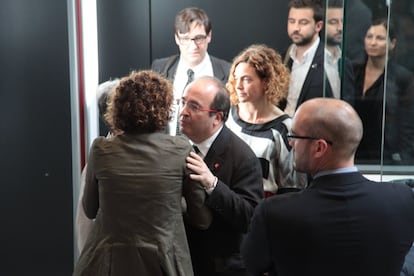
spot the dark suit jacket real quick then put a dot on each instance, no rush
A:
(232, 203)
(399, 116)
(342, 224)
(168, 66)
(313, 86)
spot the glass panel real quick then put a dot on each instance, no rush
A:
(378, 40)
(333, 38)
(399, 105)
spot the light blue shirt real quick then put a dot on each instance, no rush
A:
(336, 171)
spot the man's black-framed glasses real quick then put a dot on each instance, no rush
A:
(292, 136)
(195, 108)
(198, 39)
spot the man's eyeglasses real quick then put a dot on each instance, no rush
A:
(291, 136)
(195, 108)
(198, 39)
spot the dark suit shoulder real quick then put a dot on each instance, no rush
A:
(320, 52)
(161, 65)
(221, 68)
(234, 141)
(286, 199)
(221, 62)
(399, 187)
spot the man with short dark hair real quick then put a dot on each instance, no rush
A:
(306, 58)
(193, 33)
(306, 55)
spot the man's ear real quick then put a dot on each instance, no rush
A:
(318, 26)
(209, 37)
(177, 40)
(321, 147)
(218, 117)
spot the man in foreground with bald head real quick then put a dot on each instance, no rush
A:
(343, 224)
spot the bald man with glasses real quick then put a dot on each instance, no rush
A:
(193, 33)
(342, 224)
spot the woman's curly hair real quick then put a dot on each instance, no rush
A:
(269, 67)
(141, 103)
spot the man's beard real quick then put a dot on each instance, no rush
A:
(306, 40)
(330, 41)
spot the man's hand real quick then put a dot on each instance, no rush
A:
(201, 173)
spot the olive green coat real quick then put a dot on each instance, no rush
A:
(134, 187)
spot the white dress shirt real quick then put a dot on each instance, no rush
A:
(331, 69)
(298, 75)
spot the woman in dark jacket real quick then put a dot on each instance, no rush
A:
(378, 79)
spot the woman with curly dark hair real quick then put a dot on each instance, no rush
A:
(258, 81)
(134, 187)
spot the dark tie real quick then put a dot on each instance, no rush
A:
(190, 75)
(196, 149)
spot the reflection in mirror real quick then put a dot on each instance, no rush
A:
(384, 99)
(358, 18)
(338, 68)
(399, 105)
(405, 46)
(375, 72)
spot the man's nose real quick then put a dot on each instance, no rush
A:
(183, 110)
(296, 26)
